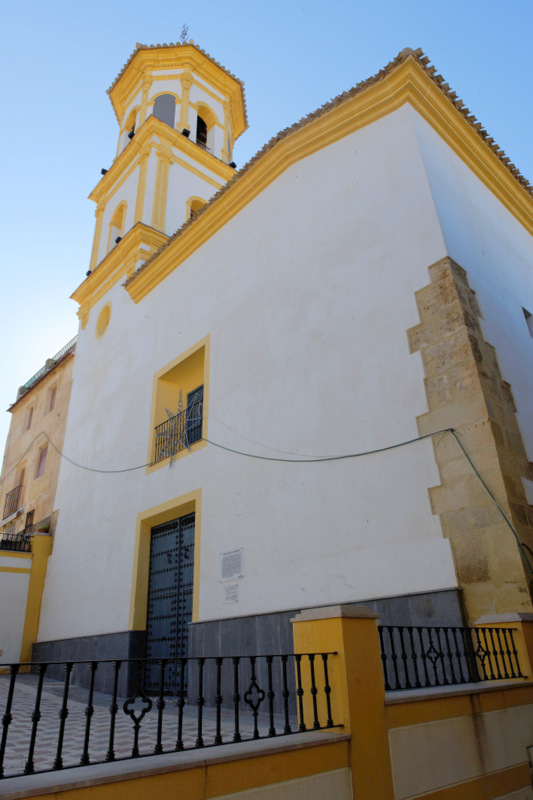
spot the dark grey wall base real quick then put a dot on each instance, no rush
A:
(125, 645)
(272, 634)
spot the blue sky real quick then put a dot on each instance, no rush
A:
(58, 129)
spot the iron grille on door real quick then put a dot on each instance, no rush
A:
(170, 593)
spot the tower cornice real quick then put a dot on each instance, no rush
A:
(149, 137)
(172, 57)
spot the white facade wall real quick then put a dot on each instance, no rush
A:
(497, 253)
(13, 597)
(306, 296)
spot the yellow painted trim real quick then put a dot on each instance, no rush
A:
(41, 549)
(99, 214)
(191, 168)
(123, 207)
(15, 569)
(141, 145)
(200, 201)
(146, 520)
(432, 709)
(141, 188)
(147, 84)
(115, 265)
(159, 207)
(10, 554)
(406, 83)
(216, 776)
(186, 83)
(204, 343)
(493, 785)
(189, 59)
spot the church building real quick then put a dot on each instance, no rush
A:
(303, 383)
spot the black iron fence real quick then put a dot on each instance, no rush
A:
(20, 542)
(416, 657)
(11, 502)
(178, 432)
(48, 724)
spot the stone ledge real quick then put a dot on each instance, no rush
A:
(131, 769)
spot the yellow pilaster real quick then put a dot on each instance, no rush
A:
(99, 214)
(144, 102)
(41, 549)
(357, 689)
(141, 188)
(522, 623)
(226, 155)
(160, 191)
(186, 83)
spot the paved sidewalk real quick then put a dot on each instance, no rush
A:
(19, 731)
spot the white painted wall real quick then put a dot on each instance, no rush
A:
(497, 253)
(13, 597)
(307, 296)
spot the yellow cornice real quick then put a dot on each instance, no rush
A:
(141, 145)
(186, 56)
(140, 241)
(405, 81)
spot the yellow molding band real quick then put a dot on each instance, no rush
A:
(146, 520)
(495, 784)
(15, 569)
(115, 266)
(10, 554)
(431, 709)
(159, 207)
(406, 83)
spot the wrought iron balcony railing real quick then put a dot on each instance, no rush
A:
(20, 542)
(414, 657)
(199, 702)
(178, 432)
(12, 501)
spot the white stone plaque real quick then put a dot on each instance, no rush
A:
(231, 565)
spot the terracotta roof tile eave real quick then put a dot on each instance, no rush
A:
(423, 62)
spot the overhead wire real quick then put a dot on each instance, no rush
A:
(522, 546)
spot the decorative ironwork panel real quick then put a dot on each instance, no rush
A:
(12, 501)
(170, 593)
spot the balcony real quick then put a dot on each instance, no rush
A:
(12, 501)
(179, 432)
(17, 542)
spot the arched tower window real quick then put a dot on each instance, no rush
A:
(116, 226)
(201, 132)
(205, 125)
(165, 109)
(194, 204)
(128, 131)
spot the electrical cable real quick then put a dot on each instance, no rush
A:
(309, 460)
(519, 542)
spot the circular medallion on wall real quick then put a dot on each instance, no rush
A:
(103, 320)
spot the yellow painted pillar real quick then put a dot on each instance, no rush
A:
(186, 83)
(522, 623)
(99, 214)
(141, 188)
(41, 547)
(161, 186)
(226, 154)
(357, 689)
(144, 102)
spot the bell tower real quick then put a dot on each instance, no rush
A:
(179, 113)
